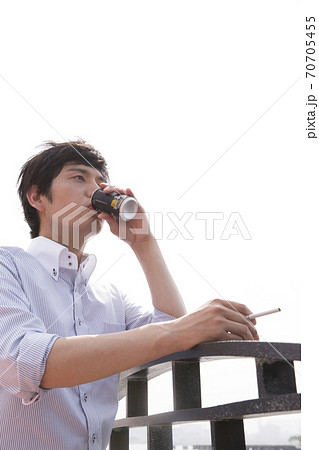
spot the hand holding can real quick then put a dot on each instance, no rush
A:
(118, 205)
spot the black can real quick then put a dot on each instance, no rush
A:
(118, 205)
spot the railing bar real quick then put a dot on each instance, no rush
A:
(279, 404)
(220, 350)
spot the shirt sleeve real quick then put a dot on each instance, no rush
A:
(24, 341)
(137, 316)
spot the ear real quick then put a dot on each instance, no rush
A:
(34, 198)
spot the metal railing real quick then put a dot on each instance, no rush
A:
(276, 388)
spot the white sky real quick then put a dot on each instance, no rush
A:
(198, 107)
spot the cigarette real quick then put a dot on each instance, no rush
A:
(264, 313)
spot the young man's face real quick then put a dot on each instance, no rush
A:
(68, 216)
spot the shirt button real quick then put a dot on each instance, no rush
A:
(93, 438)
(85, 397)
(80, 322)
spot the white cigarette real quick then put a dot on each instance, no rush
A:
(264, 313)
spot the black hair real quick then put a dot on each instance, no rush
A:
(42, 168)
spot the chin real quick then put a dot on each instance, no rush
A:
(87, 230)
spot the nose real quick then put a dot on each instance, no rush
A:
(91, 188)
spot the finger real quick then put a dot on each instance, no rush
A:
(232, 337)
(130, 192)
(105, 216)
(238, 307)
(254, 321)
(235, 312)
(241, 330)
(116, 189)
(107, 187)
(235, 316)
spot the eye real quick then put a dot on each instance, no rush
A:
(80, 177)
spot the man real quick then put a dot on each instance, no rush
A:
(64, 342)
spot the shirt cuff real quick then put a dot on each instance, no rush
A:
(160, 316)
(33, 353)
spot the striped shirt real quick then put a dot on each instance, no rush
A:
(45, 295)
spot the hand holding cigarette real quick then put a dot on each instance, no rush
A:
(264, 313)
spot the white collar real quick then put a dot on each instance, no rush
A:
(53, 256)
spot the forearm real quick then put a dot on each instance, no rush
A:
(165, 294)
(82, 359)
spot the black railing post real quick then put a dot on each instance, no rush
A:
(228, 435)
(160, 437)
(186, 384)
(119, 439)
(137, 395)
(275, 377)
(136, 405)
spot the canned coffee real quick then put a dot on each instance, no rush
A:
(118, 205)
